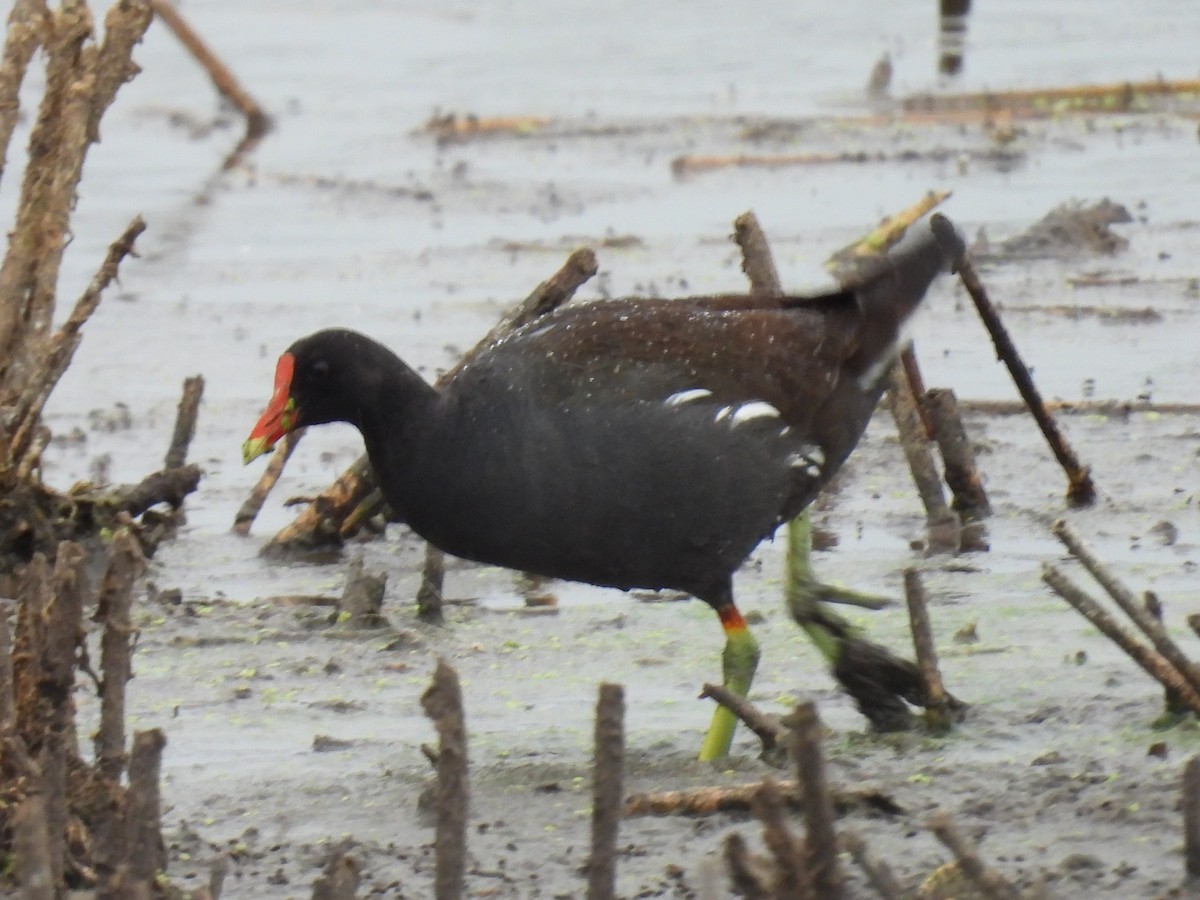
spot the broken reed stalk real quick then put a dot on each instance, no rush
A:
(258, 122)
(22, 39)
(1154, 663)
(144, 845)
(319, 522)
(1117, 97)
(941, 523)
(916, 384)
(49, 367)
(938, 714)
(185, 421)
(757, 260)
(993, 885)
(747, 873)
(1149, 624)
(253, 504)
(766, 727)
(879, 874)
(1191, 817)
(821, 836)
(888, 233)
(429, 594)
(340, 878)
(82, 79)
(442, 703)
(1080, 490)
(940, 406)
(31, 852)
(739, 798)
(361, 603)
(7, 698)
(607, 791)
(791, 880)
(125, 563)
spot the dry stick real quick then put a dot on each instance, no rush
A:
(1151, 661)
(29, 651)
(878, 873)
(1054, 101)
(249, 510)
(937, 709)
(185, 421)
(7, 694)
(757, 261)
(169, 486)
(257, 121)
(748, 873)
(1191, 817)
(1082, 407)
(739, 798)
(607, 790)
(340, 879)
(25, 24)
(958, 456)
(361, 603)
(143, 811)
(916, 384)
(429, 594)
(942, 524)
(125, 563)
(993, 885)
(442, 703)
(31, 852)
(62, 346)
(81, 83)
(1080, 490)
(790, 880)
(768, 729)
(64, 634)
(821, 838)
(1150, 625)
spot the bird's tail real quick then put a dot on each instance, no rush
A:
(890, 288)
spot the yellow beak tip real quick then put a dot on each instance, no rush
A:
(253, 449)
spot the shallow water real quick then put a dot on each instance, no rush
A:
(347, 214)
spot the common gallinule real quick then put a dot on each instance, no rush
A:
(625, 443)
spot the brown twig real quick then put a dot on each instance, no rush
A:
(739, 798)
(168, 486)
(757, 260)
(61, 347)
(250, 509)
(994, 885)
(185, 421)
(819, 817)
(147, 854)
(125, 563)
(1191, 817)
(429, 594)
(1150, 660)
(31, 850)
(1080, 490)
(768, 729)
(340, 879)
(1149, 624)
(258, 122)
(26, 22)
(749, 874)
(942, 524)
(7, 696)
(958, 456)
(937, 710)
(361, 603)
(878, 873)
(791, 879)
(442, 703)
(607, 790)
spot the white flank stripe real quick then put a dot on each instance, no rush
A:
(682, 397)
(758, 409)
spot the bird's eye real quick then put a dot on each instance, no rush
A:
(320, 369)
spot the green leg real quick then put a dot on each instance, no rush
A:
(739, 660)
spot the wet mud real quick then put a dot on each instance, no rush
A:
(288, 734)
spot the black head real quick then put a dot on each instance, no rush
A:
(326, 377)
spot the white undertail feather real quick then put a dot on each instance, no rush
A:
(678, 399)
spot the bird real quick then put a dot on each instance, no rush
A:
(627, 443)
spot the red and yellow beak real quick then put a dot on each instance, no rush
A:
(278, 418)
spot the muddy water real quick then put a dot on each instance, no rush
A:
(347, 215)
